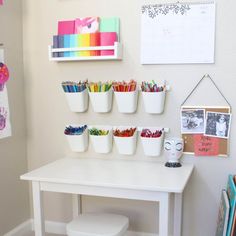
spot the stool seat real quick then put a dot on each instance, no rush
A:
(98, 224)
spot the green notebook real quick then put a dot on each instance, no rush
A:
(111, 24)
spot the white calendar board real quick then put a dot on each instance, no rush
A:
(178, 33)
(5, 125)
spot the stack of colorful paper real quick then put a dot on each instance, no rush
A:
(86, 32)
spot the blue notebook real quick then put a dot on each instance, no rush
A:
(73, 44)
(55, 45)
(66, 44)
(60, 45)
(231, 191)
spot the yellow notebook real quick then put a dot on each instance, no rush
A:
(83, 41)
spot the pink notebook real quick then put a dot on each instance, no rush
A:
(107, 39)
(86, 25)
(66, 27)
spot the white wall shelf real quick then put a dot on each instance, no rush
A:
(117, 53)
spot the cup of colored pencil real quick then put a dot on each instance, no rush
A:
(76, 95)
(153, 97)
(100, 94)
(126, 94)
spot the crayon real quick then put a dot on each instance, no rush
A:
(70, 130)
(149, 134)
(98, 132)
(124, 133)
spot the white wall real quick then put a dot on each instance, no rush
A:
(14, 194)
(47, 111)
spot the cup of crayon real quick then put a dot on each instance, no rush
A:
(126, 94)
(125, 139)
(76, 95)
(100, 96)
(152, 140)
(153, 97)
(101, 138)
(77, 137)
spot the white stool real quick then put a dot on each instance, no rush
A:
(98, 224)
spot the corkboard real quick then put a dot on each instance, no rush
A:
(188, 138)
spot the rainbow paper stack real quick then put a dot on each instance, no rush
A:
(86, 32)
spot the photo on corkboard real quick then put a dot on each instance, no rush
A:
(192, 121)
(217, 124)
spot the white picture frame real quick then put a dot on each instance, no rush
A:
(192, 121)
(217, 127)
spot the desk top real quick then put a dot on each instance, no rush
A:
(125, 174)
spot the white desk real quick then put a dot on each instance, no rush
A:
(138, 180)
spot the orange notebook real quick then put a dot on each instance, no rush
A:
(95, 41)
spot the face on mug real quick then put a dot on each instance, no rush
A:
(173, 148)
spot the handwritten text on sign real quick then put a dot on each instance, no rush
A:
(205, 146)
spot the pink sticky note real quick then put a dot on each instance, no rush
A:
(205, 146)
(1, 2)
(108, 39)
(66, 27)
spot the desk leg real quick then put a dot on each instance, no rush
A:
(164, 215)
(76, 204)
(39, 227)
(178, 214)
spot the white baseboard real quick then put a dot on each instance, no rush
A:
(54, 227)
(21, 230)
(132, 233)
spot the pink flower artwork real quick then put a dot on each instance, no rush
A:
(3, 117)
(4, 75)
